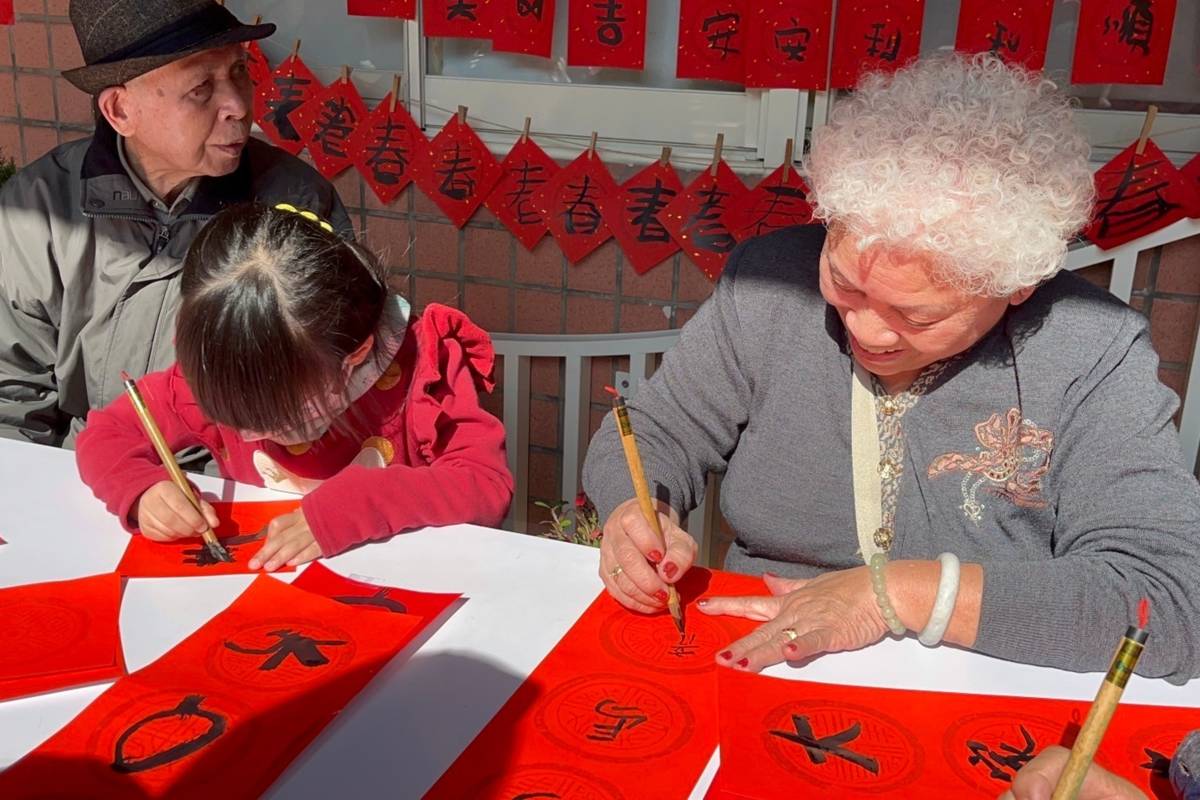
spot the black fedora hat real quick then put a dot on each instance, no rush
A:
(122, 39)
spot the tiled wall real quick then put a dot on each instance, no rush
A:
(483, 270)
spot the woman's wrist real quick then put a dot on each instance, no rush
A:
(913, 589)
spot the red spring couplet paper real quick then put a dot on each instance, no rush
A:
(783, 738)
(7, 15)
(319, 579)
(257, 65)
(787, 43)
(572, 204)
(1137, 195)
(874, 36)
(634, 213)
(622, 709)
(696, 218)
(459, 173)
(327, 124)
(780, 201)
(386, 148)
(60, 634)
(523, 26)
(606, 33)
(403, 9)
(277, 99)
(711, 41)
(1123, 41)
(223, 713)
(470, 19)
(1191, 177)
(525, 170)
(1017, 31)
(241, 531)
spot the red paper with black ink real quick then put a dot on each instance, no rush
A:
(787, 43)
(622, 707)
(60, 634)
(1137, 195)
(7, 14)
(775, 203)
(874, 36)
(462, 19)
(572, 204)
(277, 100)
(606, 33)
(1191, 177)
(783, 738)
(634, 213)
(525, 170)
(257, 65)
(459, 173)
(386, 148)
(1017, 31)
(712, 43)
(402, 9)
(327, 124)
(319, 579)
(1123, 41)
(696, 219)
(523, 26)
(223, 713)
(242, 529)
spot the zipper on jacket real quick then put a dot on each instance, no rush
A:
(161, 238)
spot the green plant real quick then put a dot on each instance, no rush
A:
(8, 168)
(583, 529)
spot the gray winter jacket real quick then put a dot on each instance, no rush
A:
(89, 274)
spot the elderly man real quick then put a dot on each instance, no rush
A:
(92, 235)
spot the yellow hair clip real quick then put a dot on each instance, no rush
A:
(308, 215)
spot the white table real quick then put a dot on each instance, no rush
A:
(412, 721)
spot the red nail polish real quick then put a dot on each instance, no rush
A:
(791, 647)
(661, 596)
(728, 654)
(669, 569)
(745, 662)
(655, 556)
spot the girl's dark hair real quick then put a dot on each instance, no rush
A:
(272, 305)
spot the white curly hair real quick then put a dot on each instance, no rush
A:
(969, 162)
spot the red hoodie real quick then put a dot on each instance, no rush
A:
(444, 454)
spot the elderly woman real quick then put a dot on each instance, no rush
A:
(924, 425)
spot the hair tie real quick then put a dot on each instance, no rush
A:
(308, 215)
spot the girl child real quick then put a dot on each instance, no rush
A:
(298, 369)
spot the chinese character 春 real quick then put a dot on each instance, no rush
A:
(1135, 200)
(387, 156)
(334, 126)
(724, 25)
(625, 718)
(304, 649)
(644, 211)
(785, 206)
(885, 47)
(457, 183)
(582, 214)
(793, 41)
(1008, 757)
(705, 226)
(520, 198)
(1135, 26)
(610, 31)
(279, 109)
(819, 748)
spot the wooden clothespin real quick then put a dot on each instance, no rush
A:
(296, 49)
(462, 115)
(525, 131)
(592, 147)
(395, 93)
(257, 19)
(665, 158)
(716, 162)
(787, 160)
(1144, 136)
(345, 76)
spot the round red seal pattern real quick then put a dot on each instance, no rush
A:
(835, 745)
(987, 750)
(546, 782)
(615, 718)
(281, 654)
(653, 642)
(35, 630)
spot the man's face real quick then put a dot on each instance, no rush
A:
(191, 117)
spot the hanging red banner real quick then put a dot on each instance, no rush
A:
(7, 13)
(571, 204)
(1137, 195)
(1191, 176)
(459, 173)
(327, 124)
(787, 43)
(1123, 41)
(60, 634)
(403, 9)
(257, 65)
(606, 33)
(874, 36)
(1017, 31)
(526, 169)
(523, 26)
(711, 40)
(461, 19)
(634, 213)
(779, 201)
(277, 100)
(623, 706)
(696, 219)
(386, 148)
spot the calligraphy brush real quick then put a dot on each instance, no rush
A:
(1100, 714)
(638, 475)
(168, 460)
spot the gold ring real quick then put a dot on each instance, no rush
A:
(615, 572)
(791, 634)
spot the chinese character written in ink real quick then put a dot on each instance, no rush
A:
(1135, 200)
(387, 156)
(885, 47)
(610, 31)
(793, 41)
(819, 748)
(707, 231)
(786, 206)
(626, 718)
(531, 8)
(649, 202)
(521, 196)
(334, 126)
(538, 796)
(724, 25)
(582, 214)
(201, 556)
(686, 646)
(1008, 757)
(304, 649)
(279, 109)
(457, 183)
(1134, 27)
(461, 9)
(999, 41)
(187, 710)
(379, 600)
(1158, 763)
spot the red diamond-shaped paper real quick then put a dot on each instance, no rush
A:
(327, 124)
(257, 65)
(775, 203)
(696, 218)
(1191, 176)
(634, 213)
(387, 148)
(525, 170)
(277, 99)
(459, 173)
(1136, 195)
(572, 204)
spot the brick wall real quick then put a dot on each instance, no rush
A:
(483, 270)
